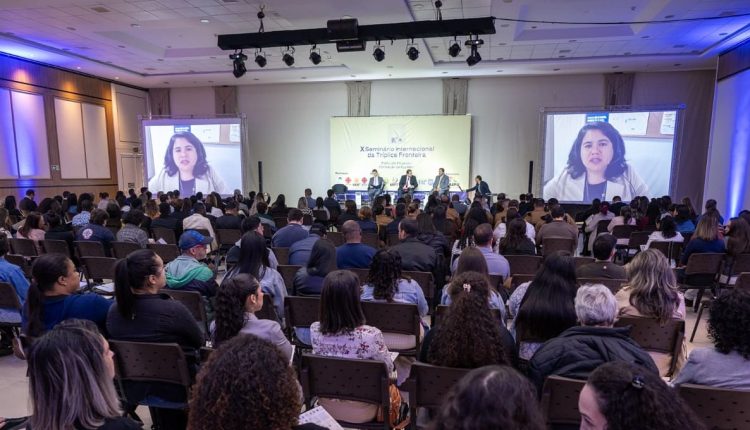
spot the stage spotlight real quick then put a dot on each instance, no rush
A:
(315, 55)
(260, 59)
(288, 59)
(474, 43)
(238, 63)
(412, 53)
(455, 49)
(378, 53)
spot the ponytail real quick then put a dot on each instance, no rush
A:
(130, 274)
(34, 311)
(45, 271)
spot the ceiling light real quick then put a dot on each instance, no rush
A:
(288, 58)
(378, 53)
(205, 21)
(260, 59)
(315, 55)
(455, 49)
(238, 64)
(412, 52)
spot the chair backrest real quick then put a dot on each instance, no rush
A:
(399, 318)
(151, 362)
(346, 379)
(202, 231)
(517, 280)
(307, 219)
(614, 285)
(122, 249)
(741, 263)
(9, 297)
(743, 281)
(369, 238)
(652, 336)
(442, 310)
(167, 234)
(282, 254)
(553, 244)
(428, 385)
(228, 236)
(523, 264)
(25, 247)
(301, 311)
(90, 248)
(623, 231)
(601, 226)
(362, 274)
(582, 261)
(320, 215)
(425, 280)
(496, 282)
(638, 238)
(193, 301)
(393, 239)
(99, 267)
(280, 221)
(718, 408)
(703, 268)
(287, 272)
(167, 252)
(671, 250)
(268, 311)
(56, 247)
(336, 237)
(560, 400)
(20, 261)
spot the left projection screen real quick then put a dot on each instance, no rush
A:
(195, 155)
(393, 144)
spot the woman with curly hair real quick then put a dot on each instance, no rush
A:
(469, 336)
(491, 397)
(246, 384)
(472, 260)
(236, 303)
(727, 364)
(385, 283)
(624, 396)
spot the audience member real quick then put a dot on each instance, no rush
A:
(57, 230)
(230, 220)
(265, 218)
(727, 363)
(33, 229)
(430, 236)
(625, 218)
(385, 282)
(443, 224)
(353, 254)
(683, 220)
(187, 272)
(103, 201)
(392, 227)
(544, 308)
(236, 303)
(705, 239)
(71, 372)
(131, 230)
(603, 266)
(469, 335)
(308, 281)
(254, 261)
(710, 210)
(738, 237)
(95, 230)
(166, 221)
(5, 224)
(199, 221)
(558, 227)
(252, 223)
(667, 233)
(292, 232)
(114, 215)
(491, 397)
(341, 332)
(624, 396)
(333, 206)
(27, 204)
(592, 223)
(472, 260)
(458, 205)
(365, 221)
(13, 275)
(381, 219)
(246, 372)
(51, 297)
(578, 351)
(516, 240)
(299, 252)
(415, 255)
(350, 212)
(538, 215)
(279, 208)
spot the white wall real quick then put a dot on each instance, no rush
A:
(127, 105)
(197, 101)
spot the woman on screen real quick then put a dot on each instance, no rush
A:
(596, 168)
(186, 168)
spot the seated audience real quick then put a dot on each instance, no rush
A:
(652, 292)
(95, 230)
(544, 308)
(252, 223)
(71, 372)
(683, 220)
(350, 212)
(33, 228)
(308, 281)
(381, 219)
(448, 227)
(491, 397)
(430, 236)
(472, 260)
(299, 252)
(516, 241)
(711, 211)
(392, 227)
(83, 217)
(230, 219)
(666, 233)
(320, 206)
(200, 221)
(577, 351)
(131, 230)
(187, 272)
(415, 255)
(13, 275)
(236, 303)
(57, 230)
(341, 332)
(51, 297)
(469, 336)
(114, 215)
(592, 223)
(166, 221)
(705, 239)
(5, 224)
(558, 227)
(354, 253)
(385, 282)
(365, 220)
(603, 266)
(625, 218)
(246, 372)
(538, 215)
(254, 261)
(267, 219)
(738, 237)
(278, 208)
(727, 363)
(290, 233)
(624, 396)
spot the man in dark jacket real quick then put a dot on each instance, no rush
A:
(415, 255)
(580, 350)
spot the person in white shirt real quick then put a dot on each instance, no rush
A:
(593, 221)
(625, 218)
(502, 228)
(199, 221)
(667, 233)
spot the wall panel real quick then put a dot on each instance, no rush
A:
(31, 138)
(9, 166)
(95, 140)
(70, 143)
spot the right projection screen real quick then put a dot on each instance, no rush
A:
(600, 154)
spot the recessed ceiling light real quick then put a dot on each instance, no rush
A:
(135, 25)
(117, 77)
(78, 67)
(668, 16)
(71, 28)
(120, 46)
(205, 21)
(555, 70)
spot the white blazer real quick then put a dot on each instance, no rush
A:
(205, 184)
(568, 189)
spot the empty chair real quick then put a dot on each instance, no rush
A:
(371, 239)
(393, 239)
(637, 238)
(395, 318)
(167, 252)
(701, 272)
(671, 250)
(280, 221)
(560, 401)
(227, 237)
(718, 408)
(287, 272)
(19, 260)
(362, 274)
(98, 268)
(582, 261)
(122, 249)
(25, 247)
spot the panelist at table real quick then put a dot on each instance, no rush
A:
(375, 185)
(407, 184)
(442, 182)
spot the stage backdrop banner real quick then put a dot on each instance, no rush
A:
(392, 144)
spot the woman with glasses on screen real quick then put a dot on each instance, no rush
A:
(186, 168)
(596, 168)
